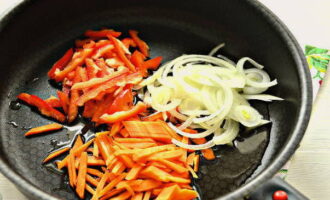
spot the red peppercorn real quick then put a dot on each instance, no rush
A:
(280, 195)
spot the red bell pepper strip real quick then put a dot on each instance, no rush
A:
(81, 43)
(102, 33)
(102, 50)
(121, 53)
(61, 63)
(73, 64)
(152, 63)
(42, 106)
(120, 80)
(122, 115)
(53, 102)
(89, 108)
(73, 108)
(98, 81)
(128, 42)
(64, 100)
(100, 110)
(137, 59)
(103, 66)
(144, 48)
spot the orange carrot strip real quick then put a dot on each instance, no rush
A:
(123, 132)
(121, 54)
(96, 151)
(64, 100)
(82, 148)
(173, 166)
(185, 194)
(89, 108)
(156, 192)
(81, 178)
(112, 184)
(72, 170)
(178, 179)
(190, 159)
(133, 172)
(77, 144)
(144, 153)
(155, 173)
(140, 145)
(138, 196)
(126, 186)
(104, 147)
(140, 43)
(119, 165)
(144, 185)
(112, 193)
(55, 154)
(115, 128)
(154, 117)
(147, 195)
(94, 172)
(100, 186)
(45, 128)
(196, 163)
(207, 153)
(90, 189)
(134, 140)
(169, 155)
(168, 193)
(122, 196)
(91, 180)
(193, 173)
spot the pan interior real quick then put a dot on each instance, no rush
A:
(39, 34)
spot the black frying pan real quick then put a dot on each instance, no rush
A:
(36, 33)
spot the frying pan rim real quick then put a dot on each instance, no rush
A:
(279, 161)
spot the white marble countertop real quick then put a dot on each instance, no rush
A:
(310, 169)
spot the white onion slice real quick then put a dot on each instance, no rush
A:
(262, 97)
(206, 145)
(193, 135)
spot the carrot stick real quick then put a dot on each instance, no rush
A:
(134, 140)
(91, 180)
(81, 178)
(138, 196)
(64, 100)
(154, 117)
(173, 166)
(100, 186)
(115, 128)
(94, 172)
(55, 154)
(196, 163)
(190, 159)
(169, 155)
(96, 151)
(140, 185)
(207, 153)
(90, 189)
(147, 195)
(112, 184)
(82, 148)
(168, 193)
(112, 193)
(72, 170)
(45, 128)
(122, 196)
(133, 172)
(193, 173)
(144, 153)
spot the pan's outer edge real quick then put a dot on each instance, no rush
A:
(302, 122)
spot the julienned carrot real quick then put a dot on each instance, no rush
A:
(133, 172)
(190, 159)
(147, 195)
(176, 167)
(55, 154)
(91, 180)
(135, 140)
(192, 172)
(142, 185)
(122, 196)
(81, 178)
(168, 193)
(100, 186)
(112, 184)
(173, 154)
(96, 151)
(154, 117)
(45, 128)
(72, 170)
(112, 193)
(144, 153)
(125, 185)
(94, 172)
(196, 163)
(139, 145)
(138, 196)
(90, 189)
(207, 153)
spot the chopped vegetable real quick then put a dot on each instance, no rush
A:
(45, 128)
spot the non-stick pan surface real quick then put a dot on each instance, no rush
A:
(37, 33)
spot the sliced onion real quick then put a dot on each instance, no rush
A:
(216, 49)
(206, 145)
(230, 133)
(193, 135)
(246, 115)
(241, 62)
(262, 97)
